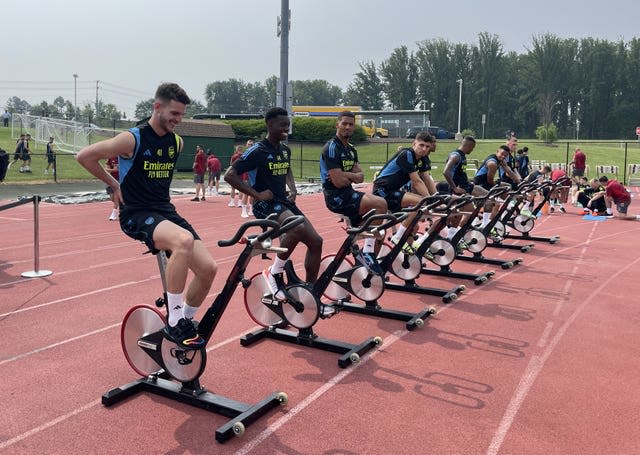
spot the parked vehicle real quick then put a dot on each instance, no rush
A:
(439, 133)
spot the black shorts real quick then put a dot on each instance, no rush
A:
(345, 201)
(467, 186)
(50, 158)
(577, 172)
(140, 224)
(393, 198)
(262, 209)
(198, 178)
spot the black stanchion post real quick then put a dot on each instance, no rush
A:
(36, 272)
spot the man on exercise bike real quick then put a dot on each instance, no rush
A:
(147, 156)
(268, 163)
(339, 168)
(408, 166)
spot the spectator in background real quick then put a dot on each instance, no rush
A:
(199, 168)
(246, 201)
(579, 163)
(112, 168)
(615, 193)
(595, 206)
(51, 157)
(5, 118)
(214, 167)
(561, 194)
(235, 194)
(17, 155)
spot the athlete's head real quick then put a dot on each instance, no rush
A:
(503, 152)
(467, 145)
(345, 125)
(277, 120)
(169, 105)
(423, 144)
(512, 143)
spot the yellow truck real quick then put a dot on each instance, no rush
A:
(368, 125)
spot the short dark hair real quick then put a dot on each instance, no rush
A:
(603, 179)
(346, 114)
(170, 91)
(519, 152)
(443, 188)
(469, 139)
(424, 136)
(506, 148)
(275, 112)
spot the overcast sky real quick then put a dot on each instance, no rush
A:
(133, 45)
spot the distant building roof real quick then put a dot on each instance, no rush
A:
(204, 128)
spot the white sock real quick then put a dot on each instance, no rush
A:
(174, 305)
(401, 230)
(278, 266)
(486, 219)
(369, 245)
(188, 311)
(610, 211)
(421, 239)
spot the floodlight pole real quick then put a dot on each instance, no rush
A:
(75, 97)
(459, 81)
(283, 32)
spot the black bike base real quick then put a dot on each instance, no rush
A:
(511, 246)
(526, 236)
(351, 353)
(478, 257)
(412, 320)
(446, 271)
(242, 413)
(411, 286)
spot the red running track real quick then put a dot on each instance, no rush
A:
(543, 359)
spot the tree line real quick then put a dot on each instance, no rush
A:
(587, 88)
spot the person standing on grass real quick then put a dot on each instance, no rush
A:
(214, 167)
(147, 156)
(615, 193)
(268, 164)
(51, 157)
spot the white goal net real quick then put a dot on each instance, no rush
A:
(69, 136)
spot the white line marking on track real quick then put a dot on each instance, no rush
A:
(271, 429)
(48, 424)
(537, 363)
(60, 343)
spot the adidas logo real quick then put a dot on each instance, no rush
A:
(147, 152)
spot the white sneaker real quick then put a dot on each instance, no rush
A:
(250, 211)
(46, 172)
(231, 204)
(114, 215)
(244, 214)
(273, 284)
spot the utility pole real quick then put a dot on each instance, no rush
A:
(97, 105)
(75, 97)
(284, 23)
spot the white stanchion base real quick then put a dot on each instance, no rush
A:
(36, 274)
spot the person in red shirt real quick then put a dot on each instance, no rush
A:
(579, 164)
(234, 194)
(560, 195)
(214, 167)
(199, 168)
(615, 193)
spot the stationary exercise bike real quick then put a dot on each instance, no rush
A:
(302, 306)
(173, 372)
(408, 266)
(340, 278)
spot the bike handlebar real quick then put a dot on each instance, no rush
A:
(392, 219)
(268, 226)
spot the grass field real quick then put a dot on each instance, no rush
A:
(372, 155)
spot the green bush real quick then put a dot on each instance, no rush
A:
(548, 134)
(304, 129)
(468, 132)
